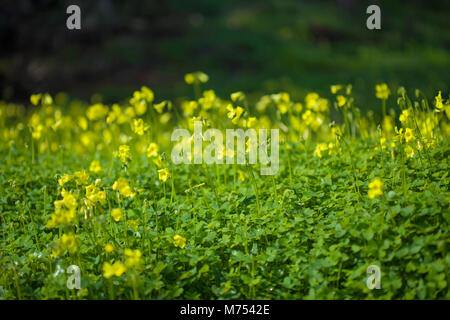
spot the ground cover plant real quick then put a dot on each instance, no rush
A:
(93, 185)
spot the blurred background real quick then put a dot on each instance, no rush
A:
(258, 47)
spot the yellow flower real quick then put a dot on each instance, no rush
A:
(69, 200)
(64, 179)
(81, 177)
(189, 78)
(61, 217)
(375, 188)
(341, 100)
(95, 166)
(251, 122)
(35, 98)
(93, 195)
(179, 241)
(409, 151)
(237, 96)
(409, 135)
(439, 103)
(198, 76)
(319, 149)
(234, 113)
(122, 185)
(117, 269)
(116, 214)
(123, 154)
(382, 91)
(67, 242)
(163, 174)
(133, 257)
(335, 88)
(96, 111)
(37, 131)
(404, 116)
(109, 248)
(138, 127)
(152, 150)
(159, 107)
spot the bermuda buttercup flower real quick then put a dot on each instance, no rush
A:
(95, 166)
(179, 241)
(163, 174)
(133, 258)
(409, 135)
(382, 91)
(109, 248)
(438, 102)
(138, 127)
(117, 269)
(404, 116)
(341, 100)
(123, 187)
(123, 153)
(152, 150)
(116, 214)
(375, 188)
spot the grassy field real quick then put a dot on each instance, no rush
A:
(93, 185)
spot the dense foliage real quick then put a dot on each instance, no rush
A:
(93, 185)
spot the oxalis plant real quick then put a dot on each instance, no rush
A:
(93, 207)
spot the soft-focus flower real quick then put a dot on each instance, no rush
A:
(335, 88)
(152, 150)
(198, 76)
(64, 179)
(160, 106)
(321, 147)
(382, 91)
(409, 151)
(95, 166)
(375, 188)
(341, 100)
(179, 241)
(35, 98)
(116, 214)
(81, 177)
(109, 248)
(237, 96)
(67, 242)
(438, 101)
(96, 112)
(138, 127)
(404, 116)
(409, 135)
(123, 187)
(163, 174)
(117, 269)
(123, 154)
(133, 258)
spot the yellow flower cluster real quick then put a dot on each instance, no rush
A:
(133, 259)
(68, 242)
(123, 153)
(123, 187)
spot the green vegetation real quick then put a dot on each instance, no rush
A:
(92, 185)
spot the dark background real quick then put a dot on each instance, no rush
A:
(254, 46)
